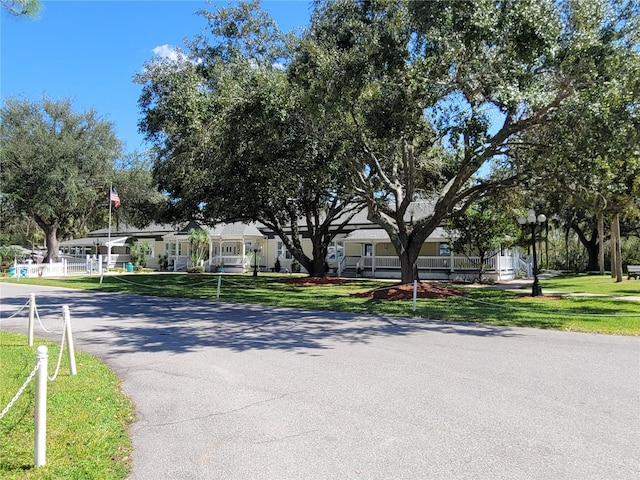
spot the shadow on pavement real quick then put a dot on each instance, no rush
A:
(127, 323)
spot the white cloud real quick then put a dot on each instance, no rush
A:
(168, 52)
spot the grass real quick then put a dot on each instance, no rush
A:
(481, 305)
(594, 284)
(87, 417)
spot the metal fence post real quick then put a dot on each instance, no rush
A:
(32, 314)
(67, 326)
(415, 294)
(40, 450)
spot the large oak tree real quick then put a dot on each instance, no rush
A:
(55, 166)
(436, 90)
(235, 139)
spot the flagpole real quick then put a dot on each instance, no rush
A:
(109, 235)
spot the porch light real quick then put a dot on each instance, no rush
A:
(255, 250)
(532, 220)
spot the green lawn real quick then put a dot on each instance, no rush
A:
(87, 417)
(596, 284)
(480, 305)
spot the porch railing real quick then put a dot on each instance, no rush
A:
(495, 263)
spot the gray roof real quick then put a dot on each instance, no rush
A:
(379, 234)
(151, 230)
(228, 231)
(92, 241)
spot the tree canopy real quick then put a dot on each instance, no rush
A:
(385, 103)
(236, 139)
(55, 166)
(435, 90)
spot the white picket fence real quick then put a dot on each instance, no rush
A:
(57, 269)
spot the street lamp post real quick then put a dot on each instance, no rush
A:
(532, 220)
(256, 249)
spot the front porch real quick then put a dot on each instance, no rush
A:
(452, 267)
(230, 248)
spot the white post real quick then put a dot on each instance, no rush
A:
(373, 260)
(69, 335)
(32, 314)
(218, 289)
(175, 261)
(452, 259)
(40, 450)
(415, 294)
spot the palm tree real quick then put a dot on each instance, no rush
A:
(199, 245)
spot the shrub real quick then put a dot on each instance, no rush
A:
(295, 266)
(277, 267)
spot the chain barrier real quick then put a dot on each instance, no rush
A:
(55, 330)
(20, 390)
(16, 313)
(57, 370)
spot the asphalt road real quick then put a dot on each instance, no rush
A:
(228, 391)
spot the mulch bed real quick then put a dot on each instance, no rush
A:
(405, 292)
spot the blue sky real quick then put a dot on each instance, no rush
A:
(89, 51)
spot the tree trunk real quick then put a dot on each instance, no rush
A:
(409, 266)
(318, 267)
(546, 245)
(590, 245)
(51, 240)
(601, 242)
(617, 247)
(566, 246)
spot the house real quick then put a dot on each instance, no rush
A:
(114, 246)
(362, 249)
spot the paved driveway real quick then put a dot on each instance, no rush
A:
(248, 392)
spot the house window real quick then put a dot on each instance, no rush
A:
(230, 250)
(169, 248)
(335, 251)
(368, 249)
(444, 250)
(149, 251)
(282, 252)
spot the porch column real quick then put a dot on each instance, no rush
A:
(175, 258)
(244, 254)
(373, 260)
(210, 252)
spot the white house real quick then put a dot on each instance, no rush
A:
(363, 249)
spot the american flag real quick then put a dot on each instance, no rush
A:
(113, 197)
